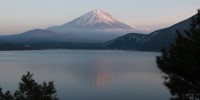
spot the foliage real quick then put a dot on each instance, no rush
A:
(182, 89)
(31, 90)
(183, 57)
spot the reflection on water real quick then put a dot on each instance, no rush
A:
(102, 78)
(88, 75)
(182, 89)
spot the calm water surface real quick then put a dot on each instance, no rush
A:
(88, 74)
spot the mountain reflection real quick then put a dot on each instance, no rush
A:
(102, 72)
(102, 78)
(182, 89)
(98, 74)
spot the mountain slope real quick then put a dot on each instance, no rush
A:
(128, 41)
(37, 35)
(96, 20)
(159, 39)
(155, 41)
(41, 35)
(42, 39)
(96, 24)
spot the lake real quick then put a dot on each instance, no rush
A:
(88, 74)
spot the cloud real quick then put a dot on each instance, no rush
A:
(119, 30)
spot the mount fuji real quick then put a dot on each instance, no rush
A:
(94, 26)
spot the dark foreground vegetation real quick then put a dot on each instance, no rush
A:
(29, 89)
(181, 63)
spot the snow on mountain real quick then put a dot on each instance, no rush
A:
(93, 17)
(96, 21)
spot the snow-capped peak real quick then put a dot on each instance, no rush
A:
(95, 21)
(95, 16)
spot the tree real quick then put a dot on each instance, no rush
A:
(31, 90)
(182, 89)
(183, 57)
(6, 95)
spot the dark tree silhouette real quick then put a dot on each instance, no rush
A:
(182, 89)
(31, 90)
(6, 95)
(183, 57)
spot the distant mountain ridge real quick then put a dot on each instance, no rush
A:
(47, 39)
(32, 36)
(156, 40)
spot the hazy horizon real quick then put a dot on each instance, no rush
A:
(22, 15)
